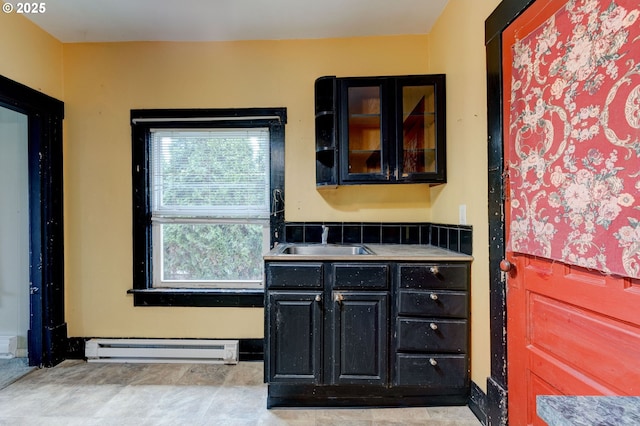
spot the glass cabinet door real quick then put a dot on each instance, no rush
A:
(386, 130)
(364, 155)
(420, 104)
(418, 130)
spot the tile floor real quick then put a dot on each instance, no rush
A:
(80, 393)
(12, 369)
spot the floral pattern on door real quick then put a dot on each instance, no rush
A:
(575, 126)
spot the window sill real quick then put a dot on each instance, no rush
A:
(238, 298)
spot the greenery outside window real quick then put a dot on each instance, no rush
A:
(208, 203)
(209, 206)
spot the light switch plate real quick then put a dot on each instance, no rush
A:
(462, 214)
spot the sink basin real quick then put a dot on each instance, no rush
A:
(325, 249)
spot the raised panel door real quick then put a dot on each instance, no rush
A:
(360, 337)
(570, 330)
(294, 337)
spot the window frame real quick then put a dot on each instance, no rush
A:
(142, 121)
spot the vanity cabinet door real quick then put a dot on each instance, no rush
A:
(360, 337)
(294, 337)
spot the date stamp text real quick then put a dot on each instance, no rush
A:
(25, 8)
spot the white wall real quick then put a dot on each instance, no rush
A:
(14, 227)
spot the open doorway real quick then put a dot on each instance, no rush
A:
(36, 223)
(14, 245)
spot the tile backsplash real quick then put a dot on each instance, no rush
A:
(453, 237)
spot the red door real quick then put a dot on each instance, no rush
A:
(571, 330)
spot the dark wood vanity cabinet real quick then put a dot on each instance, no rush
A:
(380, 130)
(432, 326)
(328, 333)
(366, 333)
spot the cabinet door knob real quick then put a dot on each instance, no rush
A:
(338, 297)
(433, 296)
(433, 326)
(433, 362)
(318, 298)
(434, 270)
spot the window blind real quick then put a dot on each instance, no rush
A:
(212, 173)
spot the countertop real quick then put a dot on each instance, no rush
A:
(589, 410)
(381, 252)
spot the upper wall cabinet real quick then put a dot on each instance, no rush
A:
(380, 130)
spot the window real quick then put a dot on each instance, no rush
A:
(209, 206)
(208, 203)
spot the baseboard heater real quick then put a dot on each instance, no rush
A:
(8, 347)
(162, 351)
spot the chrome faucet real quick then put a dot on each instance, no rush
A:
(325, 234)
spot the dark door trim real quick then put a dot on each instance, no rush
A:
(47, 339)
(496, 23)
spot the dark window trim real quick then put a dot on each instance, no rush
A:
(142, 120)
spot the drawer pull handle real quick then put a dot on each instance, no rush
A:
(433, 326)
(318, 298)
(433, 362)
(435, 271)
(433, 296)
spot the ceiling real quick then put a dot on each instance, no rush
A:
(219, 20)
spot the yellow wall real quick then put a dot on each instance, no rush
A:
(29, 55)
(103, 82)
(457, 49)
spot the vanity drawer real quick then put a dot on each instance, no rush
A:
(452, 304)
(434, 276)
(436, 371)
(360, 276)
(432, 335)
(294, 275)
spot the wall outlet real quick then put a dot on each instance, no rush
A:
(462, 214)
